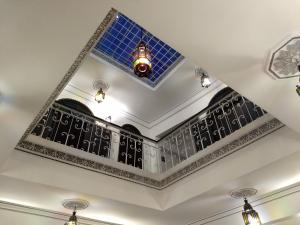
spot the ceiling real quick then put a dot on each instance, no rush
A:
(210, 204)
(128, 96)
(41, 39)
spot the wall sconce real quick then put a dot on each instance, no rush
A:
(101, 88)
(250, 216)
(204, 77)
(74, 204)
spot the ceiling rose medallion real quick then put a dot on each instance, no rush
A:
(284, 60)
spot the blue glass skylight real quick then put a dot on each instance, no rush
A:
(121, 38)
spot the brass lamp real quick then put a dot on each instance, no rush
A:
(74, 204)
(99, 97)
(101, 87)
(142, 66)
(72, 219)
(250, 216)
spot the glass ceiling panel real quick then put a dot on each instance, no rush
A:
(121, 38)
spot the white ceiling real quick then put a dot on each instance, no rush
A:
(129, 96)
(41, 39)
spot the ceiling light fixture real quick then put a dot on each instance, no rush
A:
(142, 66)
(101, 87)
(72, 219)
(250, 216)
(99, 97)
(298, 86)
(74, 204)
(202, 74)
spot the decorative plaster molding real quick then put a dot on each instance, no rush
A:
(285, 59)
(85, 163)
(210, 158)
(36, 149)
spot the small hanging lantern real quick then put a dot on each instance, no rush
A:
(205, 81)
(101, 87)
(298, 86)
(250, 216)
(204, 77)
(74, 204)
(73, 219)
(142, 66)
(99, 97)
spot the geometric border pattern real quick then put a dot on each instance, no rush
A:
(210, 158)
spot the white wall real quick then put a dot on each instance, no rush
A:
(15, 214)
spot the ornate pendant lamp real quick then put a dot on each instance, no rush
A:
(101, 88)
(204, 77)
(72, 219)
(250, 216)
(99, 97)
(74, 204)
(298, 86)
(142, 66)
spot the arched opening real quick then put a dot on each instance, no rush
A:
(76, 105)
(131, 146)
(227, 112)
(63, 124)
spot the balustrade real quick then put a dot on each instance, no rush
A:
(93, 135)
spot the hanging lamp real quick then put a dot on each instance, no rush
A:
(142, 66)
(298, 86)
(204, 77)
(100, 95)
(101, 87)
(250, 216)
(74, 204)
(72, 219)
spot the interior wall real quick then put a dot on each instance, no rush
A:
(14, 214)
(119, 118)
(152, 130)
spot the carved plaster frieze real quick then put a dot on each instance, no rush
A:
(210, 158)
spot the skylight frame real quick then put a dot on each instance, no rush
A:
(123, 45)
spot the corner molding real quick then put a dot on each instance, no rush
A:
(234, 146)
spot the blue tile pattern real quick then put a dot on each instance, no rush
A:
(121, 38)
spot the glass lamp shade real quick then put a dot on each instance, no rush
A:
(250, 216)
(142, 60)
(99, 97)
(72, 220)
(205, 81)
